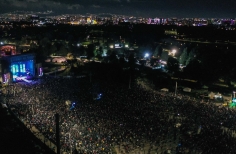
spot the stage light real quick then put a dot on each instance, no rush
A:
(72, 106)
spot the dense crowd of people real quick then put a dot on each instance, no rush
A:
(124, 118)
(16, 138)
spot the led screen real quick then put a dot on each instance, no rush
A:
(23, 70)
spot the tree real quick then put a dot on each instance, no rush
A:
(156, 51)
(172, 64)
(131, 61)
(224, 64)
(63, 51)
(90, 51)
(164, 56)
(122, 60)
(109, 52)
(53, 49)
(113, 57)
(82, 51)
(183, 57)
(99, 53)
(191, 56)
(95, 53)
(33, 46)
(100, 50)
(44, 45)
(44, 42)
(195, 69)
(23, 40)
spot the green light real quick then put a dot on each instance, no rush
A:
(232, 105)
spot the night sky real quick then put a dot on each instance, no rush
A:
(144, 8)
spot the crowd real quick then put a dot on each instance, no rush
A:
(15, 137)
(125, 118)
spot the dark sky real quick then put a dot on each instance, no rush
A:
(145, 8)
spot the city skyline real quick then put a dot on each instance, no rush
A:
(144, 8)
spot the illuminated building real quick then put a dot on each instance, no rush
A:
(171, 32)
(7, 50)
(89, 20)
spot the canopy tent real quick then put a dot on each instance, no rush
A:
(211, 95)
(187, 89)
(4, 105)
(68, 102)
(165, 89)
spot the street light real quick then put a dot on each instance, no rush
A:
(173, 52)
(146, 55)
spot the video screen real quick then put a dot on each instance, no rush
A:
(22, 71)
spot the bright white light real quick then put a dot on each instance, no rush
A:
(126, 45)
(111, 46)
(78, 45)
(173, 52)
(1, 43)
(146, 55)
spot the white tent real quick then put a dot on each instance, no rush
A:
(178, 125)
(165, 89)
(211, 95)
(218, 95)
(58, 59)
(68, 102)
(187, 89)
(4, 106)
